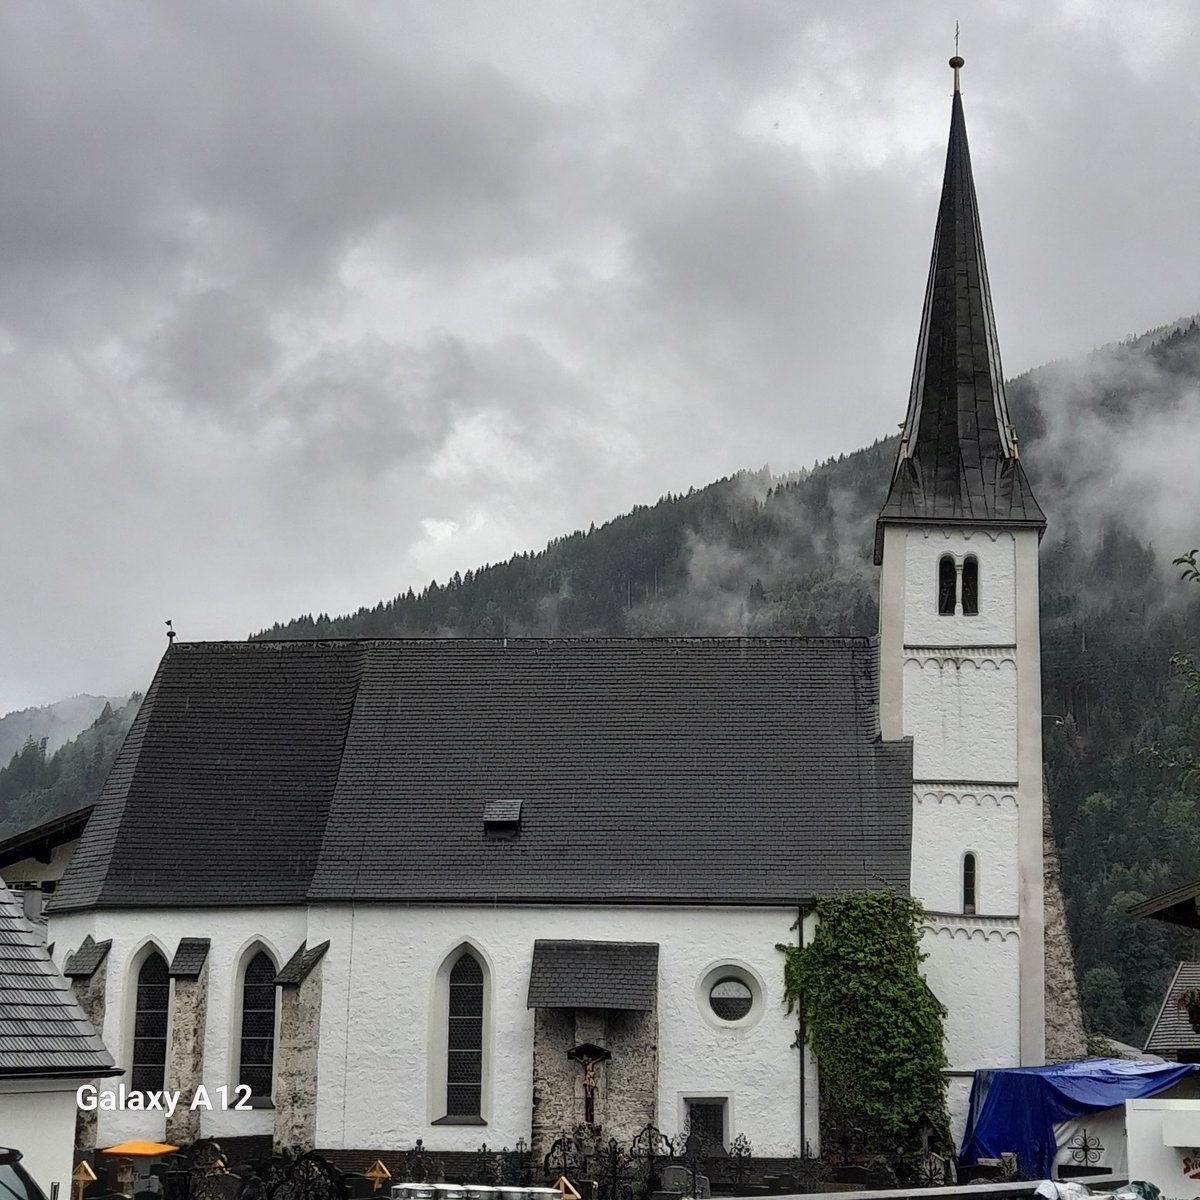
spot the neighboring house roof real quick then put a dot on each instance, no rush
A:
(958, 460)
(41, 841)
(1179, 906)
(621, 975)
(43, 1032)
(672, 770)
(1172, 1030)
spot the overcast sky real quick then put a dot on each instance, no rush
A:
(305, 303)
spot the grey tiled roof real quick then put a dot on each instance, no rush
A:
(689, 770)
(298, 967)
(85, 962)
(1172, 1031)
(43, 1031)
(620, 975)
(961, 463)
(189, 957)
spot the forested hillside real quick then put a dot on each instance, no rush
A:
(56, 723)
(753, 554)
(36, 787)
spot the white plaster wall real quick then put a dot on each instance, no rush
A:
(37, 1117)
(972, 968)
(995, 623)
(958, 1105)
(232, 931)
(948, 823)
(376, 1018)
(1161, 1134)
(960, 708)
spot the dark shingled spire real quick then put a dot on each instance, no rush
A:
(958, 462)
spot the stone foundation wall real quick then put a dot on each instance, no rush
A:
(90, 994)
(296, 1063)
(1065, 1037)
(185, 1055)
(626, 1091)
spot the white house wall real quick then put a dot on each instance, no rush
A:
(377, 1023)
(37, 1117)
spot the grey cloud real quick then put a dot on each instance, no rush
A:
(213, 349)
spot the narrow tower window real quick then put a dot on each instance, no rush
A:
(149, 1064)
(970, 587)
(947, 585)
(968, 883)
(464, 1068)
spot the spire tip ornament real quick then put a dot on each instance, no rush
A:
(956, 62)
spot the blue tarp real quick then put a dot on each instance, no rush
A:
(1016, 1108)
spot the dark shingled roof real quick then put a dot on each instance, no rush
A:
(43, 1031)
(688, 770)
(958, 461)
(594, 975)
(85, 962)
(1172, 1031)
(1180, 906)
(300, 965)
(189, 958)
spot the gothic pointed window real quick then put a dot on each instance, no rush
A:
(152, 1006)
(464, 1042)
(970, 587)
(947, 584)
(968, 883)
(257, 1043)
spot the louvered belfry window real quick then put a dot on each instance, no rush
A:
(970, 587)
(464, 1067)
(149, 1065)
(947, 585)
(258, 1025)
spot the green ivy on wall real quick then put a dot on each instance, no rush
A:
(873, 1023)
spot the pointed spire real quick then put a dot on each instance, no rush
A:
(958, 459)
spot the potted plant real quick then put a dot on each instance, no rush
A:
(1189, 1001)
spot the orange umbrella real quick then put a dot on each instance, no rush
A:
(140, 1149)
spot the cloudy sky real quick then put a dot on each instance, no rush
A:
(305, 303)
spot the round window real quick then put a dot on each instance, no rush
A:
(730, 999)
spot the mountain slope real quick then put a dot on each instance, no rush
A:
(57, 723)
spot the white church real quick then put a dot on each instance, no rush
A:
(366, 892)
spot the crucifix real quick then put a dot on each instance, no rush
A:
(588, 1056)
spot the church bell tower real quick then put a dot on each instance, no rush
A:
(960, 671)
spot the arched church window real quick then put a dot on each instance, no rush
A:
(968, 883)
(257, 1042)
(149, 1066)
(947, 585)
(970, 587)
(464, 1065)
